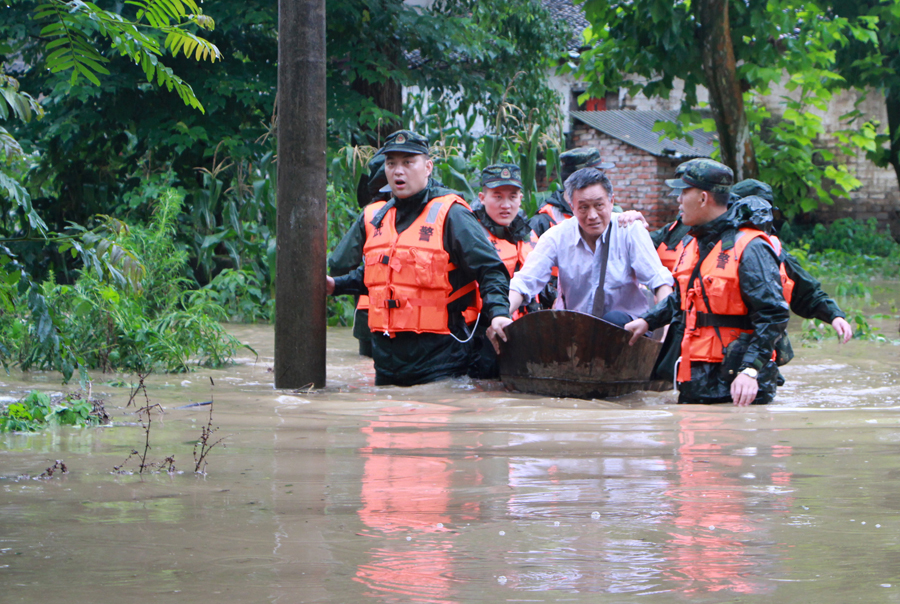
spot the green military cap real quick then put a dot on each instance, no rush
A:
(405, 141)
(499, 175)
(703, 173)
(582, 157)
(751, 186)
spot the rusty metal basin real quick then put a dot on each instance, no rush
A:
(572, 354)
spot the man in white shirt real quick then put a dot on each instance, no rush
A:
(591, 253)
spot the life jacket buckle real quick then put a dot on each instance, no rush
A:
(392, 303)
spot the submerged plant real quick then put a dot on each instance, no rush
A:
(204, 444)
(37, 411)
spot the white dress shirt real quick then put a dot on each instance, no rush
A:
(632, 261)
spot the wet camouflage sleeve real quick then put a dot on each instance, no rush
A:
(664, 312)
(540, 224)
(352, 282)
(348, 253)
(762, 294)
(808, 299)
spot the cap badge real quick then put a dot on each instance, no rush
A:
(400, 139)
(504, 173)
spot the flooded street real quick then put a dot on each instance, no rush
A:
(459, 492)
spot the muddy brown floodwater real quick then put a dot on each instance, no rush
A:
(459, 492)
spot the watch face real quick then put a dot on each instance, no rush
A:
(751, 372)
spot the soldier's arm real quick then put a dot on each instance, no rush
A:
(762, 294)
(808, 300)
(664, 312)
(472, 252)
(348, 253)
(352, 282)
(540, 224)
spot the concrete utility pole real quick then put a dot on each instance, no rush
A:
(300, 277)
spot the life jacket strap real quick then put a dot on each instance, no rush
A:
(433, 301)
(733, 321)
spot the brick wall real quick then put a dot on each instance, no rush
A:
(878, 196)
(638, 177)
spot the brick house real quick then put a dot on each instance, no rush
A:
(642, 161)
(877, 197)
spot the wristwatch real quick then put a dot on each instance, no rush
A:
(750, 371)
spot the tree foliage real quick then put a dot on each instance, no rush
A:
(649, 46)
(136, 105)
(871, 58)
(464, 52)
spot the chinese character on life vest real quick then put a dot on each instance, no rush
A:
(425, 233)
(376, 232)
(722, 260)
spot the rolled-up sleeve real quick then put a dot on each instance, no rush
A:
(647, 266)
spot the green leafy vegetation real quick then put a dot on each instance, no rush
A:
(848, 255)
(812, 49)
(814, 330)
(120, 124)
(848, 252)
(38, 411)
(139, 315)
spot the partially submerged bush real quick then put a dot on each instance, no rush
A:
(143, 317)
(37, 411)
(845, 251)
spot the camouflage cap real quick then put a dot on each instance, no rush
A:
(751, 186)
(405, 141)
(705, 174)
(499, 175)
(582, 157)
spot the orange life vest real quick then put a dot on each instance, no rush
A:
(556, 215)
(668, 256)
(407, 273)
(512, 255)
(710, 329)
(787, 284)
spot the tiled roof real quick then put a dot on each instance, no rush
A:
(566, 10)
(636, 128)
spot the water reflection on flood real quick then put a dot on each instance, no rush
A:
(459, 492)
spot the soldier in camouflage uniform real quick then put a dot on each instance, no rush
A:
(347, 253)
(419, 317)
(807, 299)
(729, 289)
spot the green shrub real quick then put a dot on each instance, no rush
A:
(36, 411)
(140, 315)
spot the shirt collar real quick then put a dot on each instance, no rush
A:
(603, 237)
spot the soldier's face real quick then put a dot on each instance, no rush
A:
(593, 209)
(501, 203)
(407, 173)
(692, 203)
